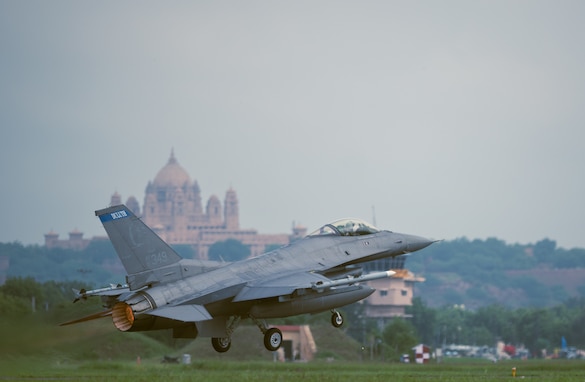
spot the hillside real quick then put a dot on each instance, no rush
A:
(479, 273)
(98, 340)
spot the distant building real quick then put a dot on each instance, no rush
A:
(173, 209)
(392, 294)
(297, 343)
(75, 242)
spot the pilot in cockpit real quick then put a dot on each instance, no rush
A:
(350, 228)
(346, 227)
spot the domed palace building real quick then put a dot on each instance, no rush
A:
(173, 209)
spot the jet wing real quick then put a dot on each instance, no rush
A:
(286, 285)
(185, 313)
(279, 286)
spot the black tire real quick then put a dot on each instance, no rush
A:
(272, 339)
(337, 320)
(221, 345)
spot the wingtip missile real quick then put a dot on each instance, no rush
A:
(322, 285)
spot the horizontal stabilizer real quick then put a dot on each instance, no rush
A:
(185, 313)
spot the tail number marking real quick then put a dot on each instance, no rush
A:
(157, 259)
(119, 214)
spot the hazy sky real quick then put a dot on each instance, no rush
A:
(452, 118)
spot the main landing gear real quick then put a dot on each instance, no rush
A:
(272, 339)
(223, 344)
(272, 336)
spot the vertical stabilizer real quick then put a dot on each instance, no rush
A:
(138, 247)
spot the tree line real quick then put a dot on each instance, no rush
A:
(98, 264)
(535, 328)
(478, 273)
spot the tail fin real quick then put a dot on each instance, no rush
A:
(138, 247)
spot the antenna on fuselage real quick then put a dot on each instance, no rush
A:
(374, 216)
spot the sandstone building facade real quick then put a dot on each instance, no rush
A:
(173, 208)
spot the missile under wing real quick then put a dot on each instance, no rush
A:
(320, 272)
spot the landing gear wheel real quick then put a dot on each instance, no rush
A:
(221, 345)
(336, 319)
(273, 339)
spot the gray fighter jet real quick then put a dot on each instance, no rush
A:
(318, 273)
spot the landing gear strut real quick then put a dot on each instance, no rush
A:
(223, 344)
(336, 319)
(272, 336)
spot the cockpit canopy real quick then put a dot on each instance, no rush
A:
(346, 227)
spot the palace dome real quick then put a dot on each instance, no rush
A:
(172, 174)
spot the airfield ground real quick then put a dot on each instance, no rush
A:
(32, 350)
(457, 370)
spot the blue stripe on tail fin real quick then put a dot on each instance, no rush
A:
(122, 213)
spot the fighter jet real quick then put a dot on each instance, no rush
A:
(194, 298)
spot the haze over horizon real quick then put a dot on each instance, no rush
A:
(453, 119)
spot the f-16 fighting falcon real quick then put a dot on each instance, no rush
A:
(318, 273)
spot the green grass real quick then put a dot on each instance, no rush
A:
(213, 370)
(34, 349)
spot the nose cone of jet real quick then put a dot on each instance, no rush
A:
(414, 243)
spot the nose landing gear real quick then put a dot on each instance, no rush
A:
(336, 319)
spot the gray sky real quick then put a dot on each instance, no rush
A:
(452, 118)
